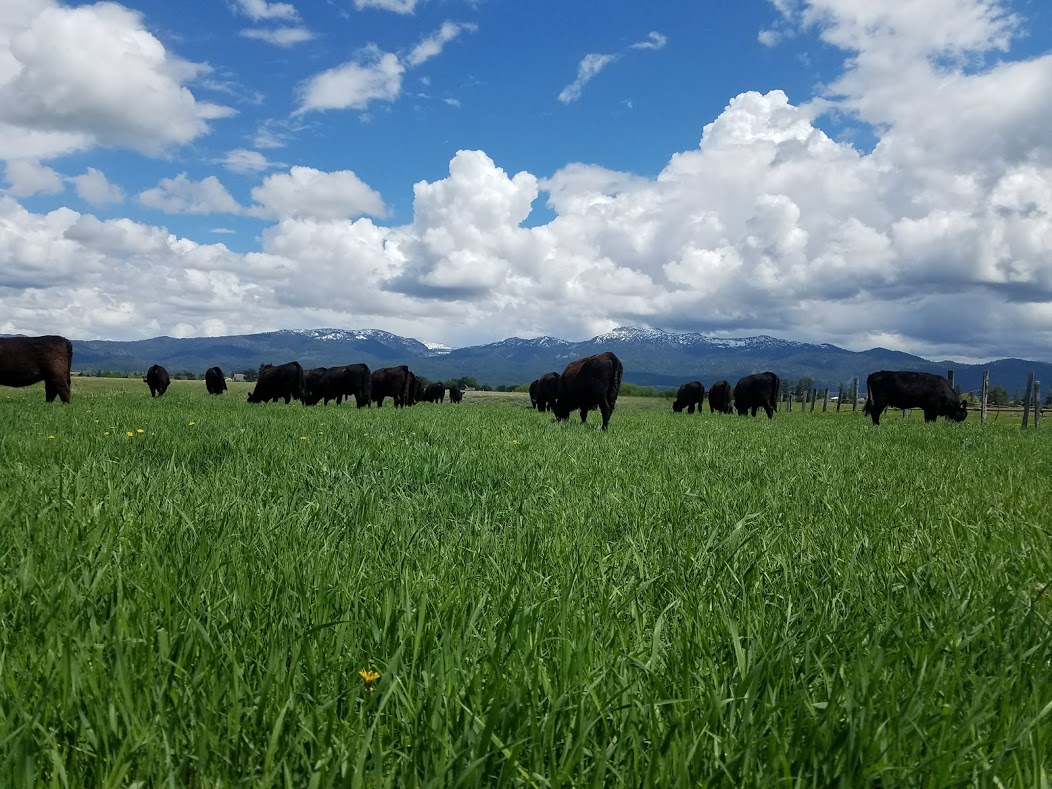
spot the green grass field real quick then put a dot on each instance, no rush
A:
(680, 601)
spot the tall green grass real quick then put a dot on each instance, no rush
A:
(683, 600)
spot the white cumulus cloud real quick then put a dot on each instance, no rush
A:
(26, 177)
(94, 188)
(306, 192)
(181, 195)
(433, 44)
(88, 75)
(261, 9)
(397, 6)
(374, 76)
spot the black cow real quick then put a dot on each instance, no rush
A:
(391, 382)
(547, 391)
(721, 398)
(279, 381)
(215, 383)
(336, 383)
(456, 394)
(591, 382)
(158, 380)
(312, 385)
(757, 391)
(690, 396)
(28, 360)
(533, 392)
(415, 391)
(435, 393)
(903, 389)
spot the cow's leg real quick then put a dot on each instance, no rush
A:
(769, 410)
(605, 409)
(875, 410)
(62, 387)
(930, 416)
(50, 392)
(754, 410)
(288, 399)
(690, 408)
(584, 415)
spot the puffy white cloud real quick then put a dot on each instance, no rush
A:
(93, 187)
(284, 36)
(587, 70)
(306, 192)
(433, 45)
(73, 77)
(374, 76)
(180, 195)
(241, 160)
(29, 177)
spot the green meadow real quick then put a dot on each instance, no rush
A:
(191, 586)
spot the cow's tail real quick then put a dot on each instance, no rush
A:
(615, 387)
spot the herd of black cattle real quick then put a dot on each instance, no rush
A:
(586, 384)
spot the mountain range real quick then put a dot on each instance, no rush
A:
(651, 357)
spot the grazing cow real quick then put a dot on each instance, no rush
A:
(336, 383)
(757, 391)
(547, 390)
(312, 385)
(533, 392)
(279, 381)
(456, 394)
(28, 360)
(391, 382)
(215, 383)
(416, 390)
(720, 398)
(690, 396)
(158, 380)
(435, 393)
(902, 389)
(591, 382)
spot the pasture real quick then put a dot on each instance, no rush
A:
(190, 586)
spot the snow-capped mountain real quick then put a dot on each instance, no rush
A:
(650, 356)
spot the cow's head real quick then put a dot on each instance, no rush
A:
(677, 406)
(252, 397)
(958, 411)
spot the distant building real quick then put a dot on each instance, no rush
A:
(238, 378)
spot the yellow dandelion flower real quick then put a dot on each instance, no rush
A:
(130, 433)
(105, 432)
(515, 441)
(139, 430)
(191, 423)
(303, 438)
(369, 677)
(50, 437)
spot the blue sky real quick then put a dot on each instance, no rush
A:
(870, 174)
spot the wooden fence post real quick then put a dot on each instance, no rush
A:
(839, 398)
(1026, 399)
(984, 393)
(825, 400)
(814, 397)
(1037, 404)
(789, 397)
(949, 377)
(854, 394)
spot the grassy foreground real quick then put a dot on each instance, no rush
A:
(681, 601)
